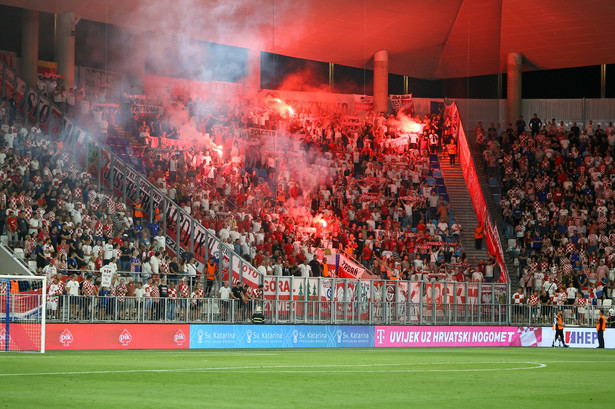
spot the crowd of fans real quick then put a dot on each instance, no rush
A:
(361, 186)
(557, 207)
(55, 214)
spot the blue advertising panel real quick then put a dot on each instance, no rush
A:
(280, 336)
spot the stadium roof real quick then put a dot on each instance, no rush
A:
(425, 38)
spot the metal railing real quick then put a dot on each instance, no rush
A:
(184, 234)
(215, 311)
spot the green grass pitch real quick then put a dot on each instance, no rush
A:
(311, 378)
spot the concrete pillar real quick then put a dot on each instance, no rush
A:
(29, 45)
(253, 70)
(513, 87)
(65, 47)
(381, 81)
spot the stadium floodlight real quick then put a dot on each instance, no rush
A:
(23, 301)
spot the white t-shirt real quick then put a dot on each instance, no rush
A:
(108, 251)
(72, 287)
(225, 293)
(191, 270)
(147, 269)
(155, 264)
(161, 242)
(305, 270)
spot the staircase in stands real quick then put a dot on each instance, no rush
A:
(492, 193)
(462, 207)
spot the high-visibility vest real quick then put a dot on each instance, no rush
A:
(601, 325)
(560, 324)
(138, 211)
(325, 270)
(479, 232)
(14, 286)
(211, 271)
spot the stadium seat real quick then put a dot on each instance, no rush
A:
(437, 173)
(440, 181)
(19, 253)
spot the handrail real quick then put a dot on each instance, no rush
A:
(74, 139)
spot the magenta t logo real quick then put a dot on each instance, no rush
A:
(380, 335)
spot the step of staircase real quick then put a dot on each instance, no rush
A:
(462, 207)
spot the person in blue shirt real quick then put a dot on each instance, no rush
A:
(154, 228)
(104, 301)
(535, 124)
(137, 230)
(520, 124)
(71, 262)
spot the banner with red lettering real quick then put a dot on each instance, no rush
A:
(349, 269)
(247, 274)
(476, 194)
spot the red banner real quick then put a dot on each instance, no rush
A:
(117, 336)
(476, 193)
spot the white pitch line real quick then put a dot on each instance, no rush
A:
(286, 369)
(402, 370)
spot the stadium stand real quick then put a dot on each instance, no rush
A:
(554, 184)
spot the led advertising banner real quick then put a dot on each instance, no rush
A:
(117, 336)
(231, 336)
(453, 336)
(280, 336)
(578, 337)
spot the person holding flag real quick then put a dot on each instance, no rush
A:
(558, 326)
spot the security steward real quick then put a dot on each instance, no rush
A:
(211, 276)
(258, 317)
(138, 210)
(479, 233)
(600, 327)
(558, 326)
